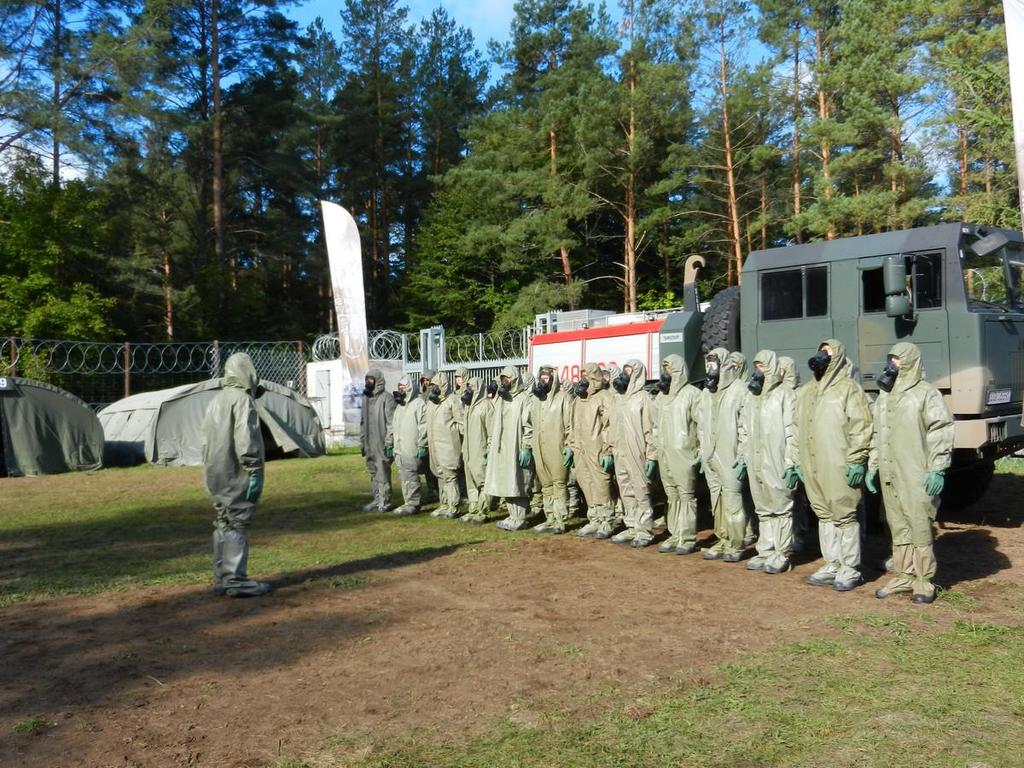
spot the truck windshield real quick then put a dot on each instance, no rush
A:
(995, 281)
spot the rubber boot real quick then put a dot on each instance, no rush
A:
(218, 560)
(825, 576)
(848, 551)
(924, 571)
(902, 570)
(236, 559)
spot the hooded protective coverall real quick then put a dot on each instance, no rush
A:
(426, 376)
(409, 426)
(719, 439)
(913, 437)
(767, 444)
(591, 444)
(834, 434)
(233, 474)
(477, 416)
(801, 509)
(632, 439)
(551, 416)
(676, 441)
(509, 437)
(375, 434)
(444, 442)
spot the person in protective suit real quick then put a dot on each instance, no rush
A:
(409, 426)
(536, 506)
(461, 383)
(509, 456)
(767, 455)
(572, 484)
(801, 509)
(675, 436)
(233, 475)
(477, 416)
(590, 441)
(911, 450)
(376, 441)
(834, 436)
(609, 375)
(634, 453)
(720, 405)
(444, 445)
(551, 416)
(431, 495)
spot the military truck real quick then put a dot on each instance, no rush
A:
(955, 290)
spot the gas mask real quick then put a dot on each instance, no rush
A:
(819, 363)
(492, 389)
(434, 393)
(582, 387)
(399, 396)
(369, 386)
(664, 382)
(756, 383)
(543, 386)
(887, 378)
(621, 383)
(712, 375)
(467, 396)
(505, 388)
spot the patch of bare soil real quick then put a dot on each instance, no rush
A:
(442, 641)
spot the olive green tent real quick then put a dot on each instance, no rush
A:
(163, 427)
(45, 430)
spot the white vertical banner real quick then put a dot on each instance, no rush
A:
(1013, 11)
(346, 261)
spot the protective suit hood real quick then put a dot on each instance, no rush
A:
(592, 373)
(442, 382)
(676, 366)
(772, 372)
(463, 372)
(838, 364)
(515, 381)
(239, 372)
(476, 384)
(378, 380)
(787, 369)
(527, 382)
(556, 385)
(910, 365)
(734, 368)
(405, 381)
(637, 378)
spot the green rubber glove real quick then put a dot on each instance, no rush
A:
(740, 468)
(649, 467)
(607, 463)
(255, 489)
(854, 475)
(871, 481)
(389, 452)
(934, 482)
(699, 464)
(791, 477)
(525, 458)
(421, 454)
(567, 458)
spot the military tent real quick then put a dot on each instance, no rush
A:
(45, 430)
(164, 427)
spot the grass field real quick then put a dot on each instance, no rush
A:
(868, 684)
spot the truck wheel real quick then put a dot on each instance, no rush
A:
(966, 485)
(722, 321)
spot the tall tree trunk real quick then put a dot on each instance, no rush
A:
(764, 211)
(629, 212)
(202, 170)
(57, 68)
(797, 174)
(218, 147)
(961, 145)
(732, 200)
(382, 232)
(168, 292)
(563, 252)
(824, 112)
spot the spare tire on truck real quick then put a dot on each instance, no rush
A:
(722, 321)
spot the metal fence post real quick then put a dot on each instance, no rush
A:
(126, 363)
(215, 360)
(14, 356)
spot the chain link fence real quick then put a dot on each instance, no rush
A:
(101, 372)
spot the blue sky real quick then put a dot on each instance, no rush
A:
(486, 18)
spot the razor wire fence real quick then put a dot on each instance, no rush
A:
(102, 372)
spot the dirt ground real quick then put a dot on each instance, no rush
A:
(442, 641)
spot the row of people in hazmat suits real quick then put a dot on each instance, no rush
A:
(528, 443)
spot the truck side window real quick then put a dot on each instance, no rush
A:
(927, 280)
(782, 295)
(816, 287)
(794, 293)
(874, 291)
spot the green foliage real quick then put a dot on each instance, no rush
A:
(32, 726)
